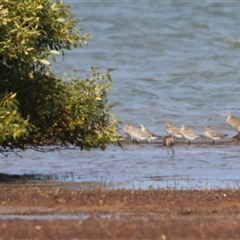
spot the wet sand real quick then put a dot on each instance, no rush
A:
(55, 213)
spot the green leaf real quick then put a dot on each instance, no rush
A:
(44, 61)
(13, 95)
(54, 52)
(60, 19)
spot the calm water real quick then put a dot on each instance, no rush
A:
(136, 166)
(174, 61)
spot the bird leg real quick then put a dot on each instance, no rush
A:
(172, 151)
(237, 136)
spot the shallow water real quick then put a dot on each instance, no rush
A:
(174, 61)
(136, 166)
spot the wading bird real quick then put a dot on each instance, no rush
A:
(169, 142)
(151, 136)
(188, 134)
(209, 133)
(172, 130)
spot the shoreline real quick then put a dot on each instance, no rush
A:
(40, 209)
(200, 141)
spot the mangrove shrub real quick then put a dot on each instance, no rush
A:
(36, 107)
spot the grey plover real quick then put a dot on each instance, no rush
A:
(150, 135)
(172, 130)
(127, 130)
(209, 133)
(188, 134)
(135, 134)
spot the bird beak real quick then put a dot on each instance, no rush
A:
(214, 117)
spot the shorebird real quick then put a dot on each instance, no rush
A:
(234, 123)
(188, 134)
(150, 135)
(209, 133)
(136, 134)
(127, 129)
(172, 130)
(169, 142)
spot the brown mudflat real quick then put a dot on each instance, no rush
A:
(119, 214)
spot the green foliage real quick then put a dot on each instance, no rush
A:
(12, 125)
(36, 108)
(31, 31)
(90, 124)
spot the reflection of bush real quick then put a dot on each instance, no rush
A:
(36, 108)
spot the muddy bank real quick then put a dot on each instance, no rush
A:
(119, 214)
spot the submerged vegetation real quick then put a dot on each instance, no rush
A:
(36, 107)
